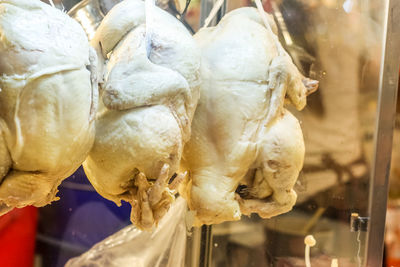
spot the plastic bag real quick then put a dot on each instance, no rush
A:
(165, 246)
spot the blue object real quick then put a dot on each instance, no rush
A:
(80, 219)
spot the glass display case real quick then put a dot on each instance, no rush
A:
(352, 48)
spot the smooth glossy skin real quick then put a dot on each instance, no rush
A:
(149, 94)
(48, 100)
(241, 133)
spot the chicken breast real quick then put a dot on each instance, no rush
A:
(246, 149)
(149, 94)
(48, 98)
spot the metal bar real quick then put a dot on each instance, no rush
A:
(206, 246)
(384, 134)
(195, 247)
(222, 11)
(205, 8)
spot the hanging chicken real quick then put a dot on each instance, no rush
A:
(148, 97)
(246, 149)
(48, 97)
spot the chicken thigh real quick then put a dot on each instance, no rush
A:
(48, 99)
(246, 149)
(148, 97)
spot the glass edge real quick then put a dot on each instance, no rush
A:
(388, 81)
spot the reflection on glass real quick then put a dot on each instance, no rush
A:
(337, 42)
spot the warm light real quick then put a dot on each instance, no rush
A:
(85, 22)
(348, 5)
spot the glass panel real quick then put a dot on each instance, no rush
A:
(339, 43)
(81, 218)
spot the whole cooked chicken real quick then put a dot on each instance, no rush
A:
(246, 149)
(48, 100)
(148, 97)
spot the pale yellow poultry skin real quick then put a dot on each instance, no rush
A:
(148, 98)
(241, 132)
(48, 98)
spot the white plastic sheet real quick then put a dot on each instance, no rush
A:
(164, 247)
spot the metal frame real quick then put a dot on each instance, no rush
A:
(389, 74)
(205, 8)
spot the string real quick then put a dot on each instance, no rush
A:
(216, 7)
(264, 18)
